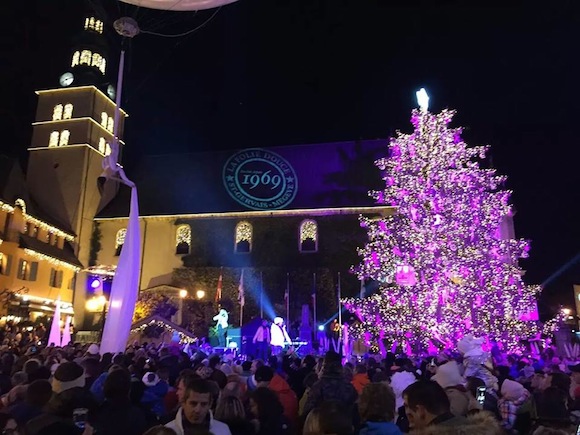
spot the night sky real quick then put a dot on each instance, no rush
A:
(272, 72)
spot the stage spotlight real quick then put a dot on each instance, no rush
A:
(95, 283)
(321, 327)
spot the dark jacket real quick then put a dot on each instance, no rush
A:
(482, 423)
(120, 417)
(380, 428)
(240, 427)
(329, 387)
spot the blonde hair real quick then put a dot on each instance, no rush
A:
(229, 407)
(312, 423)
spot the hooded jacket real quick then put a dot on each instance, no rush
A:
(215, 427)
(287, 397)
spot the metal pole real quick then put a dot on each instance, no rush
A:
(314, 303)
(339, 308)
(261, 296)
(287, 299)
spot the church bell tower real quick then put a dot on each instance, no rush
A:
(71, 134)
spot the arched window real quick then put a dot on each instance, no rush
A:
(96, 60)
(104, 119)
(243, 237)
(110, 124)
(104, 147)
(86, 57)
(308, 236)
(103, 65)
(119, 241)
(75, 58)
(57, 112)
(53, 141)
(183, 239)
(64, 136)
(99, 26)
(68, 109)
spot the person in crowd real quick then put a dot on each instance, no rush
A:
(38, 395)
(69, 394)
(360, 378)
(472, 385)
(230, 411)
(262, 340)
(194, 414)
(312, 423)
(426, 404)
(552, 411)
(155, 391)
(18, 391)
(331, 384)
(160, 430)
(251, 383)
(451, 381)
(92, 371)
(268, 413)
(335, 418)
(377, 410)
(309, 381)
(117, 415)
(515, 407)
(265, 377)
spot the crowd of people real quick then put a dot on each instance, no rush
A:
(162, 389)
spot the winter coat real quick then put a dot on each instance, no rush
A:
(380, 428)
(460, 400)
(359, 381)
(287, 397)
(481, 423)
(215, 427)
(153, 397)
(120, 418)
(329, 387)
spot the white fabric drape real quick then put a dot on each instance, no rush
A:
(66, 338)
(54, 336)
(179, 5)
(125, 285)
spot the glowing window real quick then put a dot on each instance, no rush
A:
(110, 124)
(57, 112)
(53, 141)
(86, 57)
(96, 60)
(68, 110)
(104, 147)
(308, 236)
(104, 119)
(183, 239)
(99, 26)
(23, 270)
(76, 58)
(91, 23)
(64, 136)
(103, 65)
(120, 240)
(243, 237)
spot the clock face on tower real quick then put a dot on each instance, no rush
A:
(66, 79)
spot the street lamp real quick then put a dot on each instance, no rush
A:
(200, 294)
(182, 295)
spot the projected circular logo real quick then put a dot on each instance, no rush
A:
(260, 179)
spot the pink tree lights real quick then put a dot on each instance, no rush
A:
(445, 268)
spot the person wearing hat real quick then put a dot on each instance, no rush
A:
(69, 394)
(155, 391)
(278, 336)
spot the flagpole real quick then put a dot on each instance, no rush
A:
(314, 303)
(287, 299)
(261, 295)
(241, 297)
(339, 307)
(362, 288)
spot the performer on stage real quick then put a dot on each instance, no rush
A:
(278, 336)
(222, 326)
(262, 340)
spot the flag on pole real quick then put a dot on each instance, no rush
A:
(241, 296)
(218, 294)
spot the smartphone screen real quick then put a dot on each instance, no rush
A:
(481, 395)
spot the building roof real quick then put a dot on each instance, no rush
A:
(328, 175)
(66, 254)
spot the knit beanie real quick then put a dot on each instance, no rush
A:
(68, 375)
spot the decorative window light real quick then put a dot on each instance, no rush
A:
(86, 56)
(244, 232)
(183, 239)
(104, 119)
(64, 137)
(308, 236)
(75, 58)
(120, 241)
(110, 124)
(53, 141)
(68, 110)
(57, 112)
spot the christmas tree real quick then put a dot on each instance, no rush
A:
(445, 266)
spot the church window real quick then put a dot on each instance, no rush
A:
(103, 65)
(91, 23)
(308, 236)
(120, 241)
(182, 239)
(104, 147)
(104, 119)
(53, 141)
(64, 136)
(68, 110)
(96, 60)
(86, 56)
(57, 112)
(243, 237)
(76, 58)
(110, 124)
